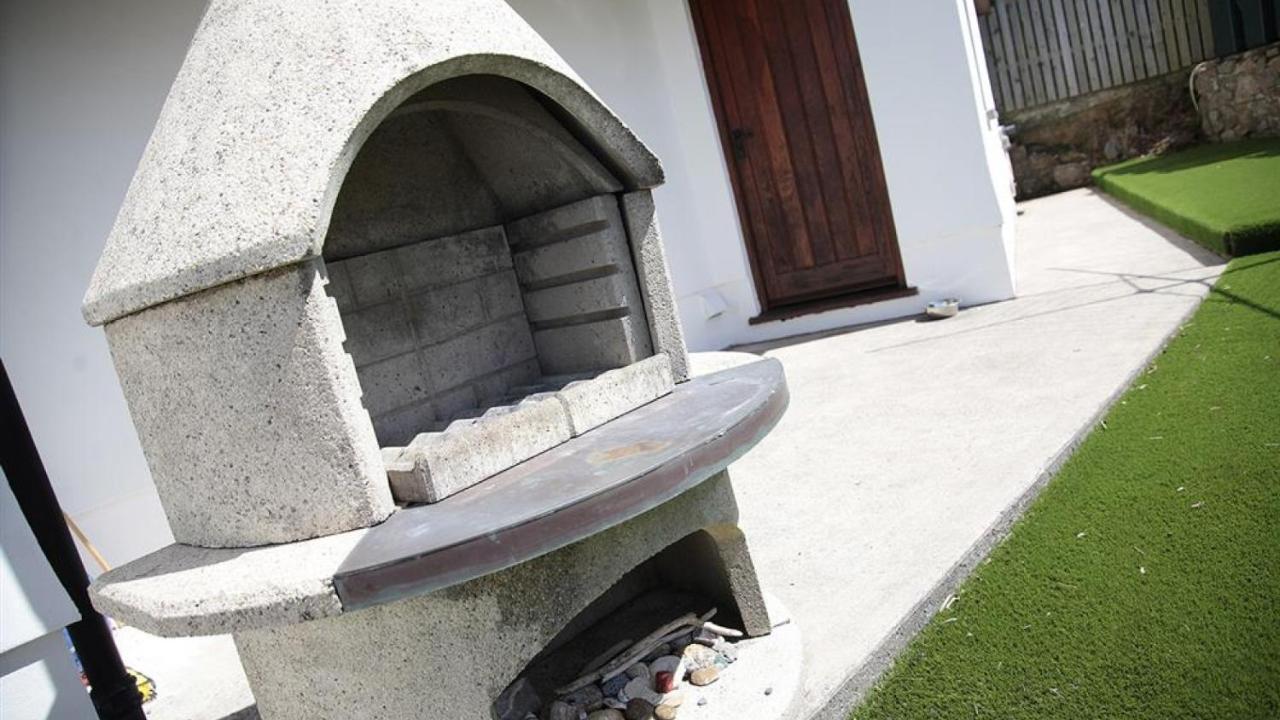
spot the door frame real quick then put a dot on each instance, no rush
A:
(783, 311)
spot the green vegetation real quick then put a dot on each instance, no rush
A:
(1144, 582)
(1225, 196)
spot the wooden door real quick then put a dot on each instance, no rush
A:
(795, 122)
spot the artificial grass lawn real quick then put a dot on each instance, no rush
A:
(1144, 582)
(1225, 196)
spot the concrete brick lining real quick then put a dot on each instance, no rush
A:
(446, 324)
(581, 294)
(476, 446)
(442, 330)
(438, 464)
(432, 327)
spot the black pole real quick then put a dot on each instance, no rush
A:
(114, 693)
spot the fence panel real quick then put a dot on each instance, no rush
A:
(1039, 51)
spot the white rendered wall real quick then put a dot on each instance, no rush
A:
(81, 85)
(947, 176)
(38, 679)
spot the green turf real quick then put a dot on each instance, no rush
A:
(1144, 582)
(1225, 196)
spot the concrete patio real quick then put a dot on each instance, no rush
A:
(907, 450)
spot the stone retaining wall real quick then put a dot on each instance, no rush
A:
(1055, 146)
(1239, 96)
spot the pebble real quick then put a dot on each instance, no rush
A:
(768, 691)
(562, 711)
(615, 703)
(705, 676)
(665, 712)
(639, 689)
(588, 698)
(639, 670)
(639, 709)
(702, 701)
(671, 664)
(666, 663)
(697, 657)
(607, 714)
(614, 685)
(674, 699)
(664, 681)
(727, 649)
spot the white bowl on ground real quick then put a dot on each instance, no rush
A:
(942, 308)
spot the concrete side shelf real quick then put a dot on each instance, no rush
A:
(183, 590)
(593, 482)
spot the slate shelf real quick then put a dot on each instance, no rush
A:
(593, 482)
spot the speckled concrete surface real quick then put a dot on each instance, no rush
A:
(438, 464)
(267, 112)
(248, 410)
(181, 590)
(655, 280)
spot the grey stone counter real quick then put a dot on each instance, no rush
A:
(597, 481)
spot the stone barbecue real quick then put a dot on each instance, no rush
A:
(389, 305)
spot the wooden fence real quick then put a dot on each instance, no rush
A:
(1039, 51)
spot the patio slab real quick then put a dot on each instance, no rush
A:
(909, 446)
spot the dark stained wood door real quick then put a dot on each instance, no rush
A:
(796, 126)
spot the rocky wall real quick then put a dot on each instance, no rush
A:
(1055, 146)
(1239, 96)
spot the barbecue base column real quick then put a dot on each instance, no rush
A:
(449, 653)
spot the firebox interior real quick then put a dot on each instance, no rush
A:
(477, 255)
(687, 576)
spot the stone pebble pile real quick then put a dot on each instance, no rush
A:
(654, 687)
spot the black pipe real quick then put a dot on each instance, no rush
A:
(113, 691)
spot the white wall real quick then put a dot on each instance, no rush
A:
(81, 85)
(947, 175)
(38, 680)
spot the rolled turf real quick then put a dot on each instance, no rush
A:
(1144, 582)
(1225, 196)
